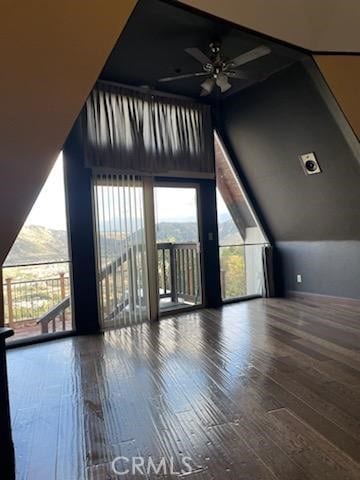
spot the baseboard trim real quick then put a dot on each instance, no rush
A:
(322, 298)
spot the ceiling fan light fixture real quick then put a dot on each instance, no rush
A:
(224, 87)
(223, 83)
(207, 86)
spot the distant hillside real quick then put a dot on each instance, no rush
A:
(187, 232)
(180, 232)
(38, 244)
(228, 233)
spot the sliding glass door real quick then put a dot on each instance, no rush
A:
(147, 247)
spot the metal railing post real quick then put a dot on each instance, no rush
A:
(9, 302)
(62, 293)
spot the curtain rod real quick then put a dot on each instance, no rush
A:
(150, 91)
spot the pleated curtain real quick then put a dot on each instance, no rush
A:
(133, 132)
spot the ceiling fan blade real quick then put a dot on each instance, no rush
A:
(223, 83)
(180, 77)
(240, 75)
(198, 55)
(249, 56)
(207, 87)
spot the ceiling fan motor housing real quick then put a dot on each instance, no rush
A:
(208, 67)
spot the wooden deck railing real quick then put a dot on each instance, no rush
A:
(58, 310)
(179, 271)
(43, 301)
(30, 300)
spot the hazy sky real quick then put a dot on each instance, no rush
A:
(49, 208)
(171, 204)
(178, 204)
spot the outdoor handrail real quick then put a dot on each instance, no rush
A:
(49, 316)
(59, 308)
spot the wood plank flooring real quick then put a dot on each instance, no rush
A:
(267, 389)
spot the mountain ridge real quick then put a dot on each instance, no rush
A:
(38, 244)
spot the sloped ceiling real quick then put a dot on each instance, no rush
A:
(316, 25)
(342, 73)
(51, 54)
(166, 30)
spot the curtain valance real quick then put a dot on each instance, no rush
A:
(135, 132)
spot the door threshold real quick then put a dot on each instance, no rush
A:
(45, 337)
(170, 312)
(241, 299)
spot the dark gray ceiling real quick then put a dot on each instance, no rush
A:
(153, 42)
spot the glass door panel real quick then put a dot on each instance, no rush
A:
(178, 246)
(121, 250)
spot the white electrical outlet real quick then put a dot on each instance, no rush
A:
(299, 278)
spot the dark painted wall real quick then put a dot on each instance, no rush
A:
(265, 128)
(326, 267)
(79, 201)
(211, 261)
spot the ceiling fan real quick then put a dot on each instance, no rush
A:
(218, 68)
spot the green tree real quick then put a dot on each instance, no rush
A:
(233, 264)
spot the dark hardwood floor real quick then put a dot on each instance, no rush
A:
(267, 389)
